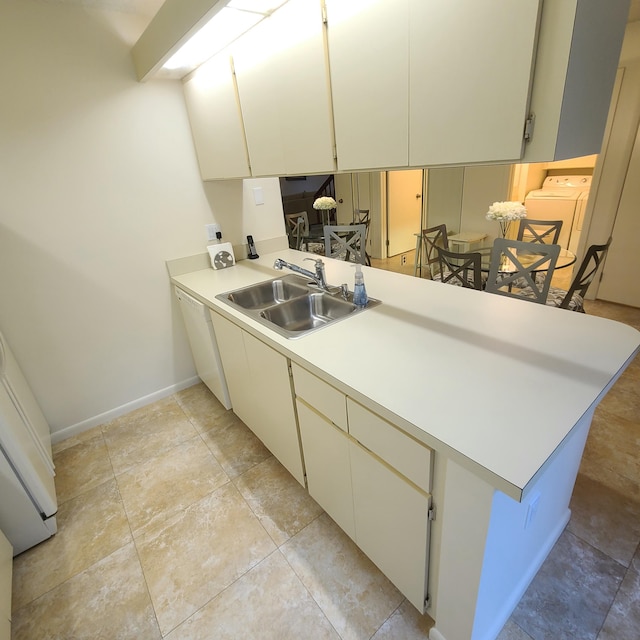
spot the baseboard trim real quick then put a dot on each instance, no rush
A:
(434, 634)
(101, 418)
(521, 587)
(519, 591)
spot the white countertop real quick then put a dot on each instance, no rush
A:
(493, 382)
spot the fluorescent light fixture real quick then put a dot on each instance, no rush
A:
(221, 30)
(226, 26)
(257, 6)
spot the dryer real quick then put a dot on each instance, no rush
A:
(561, 198)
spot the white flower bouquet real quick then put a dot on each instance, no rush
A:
(505, 213)
(325, 202)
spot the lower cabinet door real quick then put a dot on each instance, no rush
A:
(269, 389)
(234, 363)
(326, 457)
(392, 523)
(260, 389)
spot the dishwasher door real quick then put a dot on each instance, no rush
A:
(204, 347)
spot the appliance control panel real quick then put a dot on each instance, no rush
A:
(575, 182)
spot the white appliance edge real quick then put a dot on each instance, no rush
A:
(29, 503)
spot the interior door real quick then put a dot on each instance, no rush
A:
(344, 197)
(404, 210)
(623, 259)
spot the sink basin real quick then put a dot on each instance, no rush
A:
(307, 312)
(266, 294)
(292, 305)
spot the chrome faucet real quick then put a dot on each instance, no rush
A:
(318, 277)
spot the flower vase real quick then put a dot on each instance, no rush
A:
(504, 227)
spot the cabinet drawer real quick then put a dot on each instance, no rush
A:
(406, 455)
(321, 396)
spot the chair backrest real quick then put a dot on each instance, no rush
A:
(345, 242)
(462, 269)
(540, 231)
(296, 234)
(514, 265)
(433, 238)
(587, 271)
(361, 216)
(292, 220)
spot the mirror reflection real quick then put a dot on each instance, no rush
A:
(398, 204)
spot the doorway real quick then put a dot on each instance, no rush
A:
(618, 283)
(404, 209)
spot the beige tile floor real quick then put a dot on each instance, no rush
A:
(176, 522)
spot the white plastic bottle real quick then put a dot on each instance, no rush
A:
(360, 297)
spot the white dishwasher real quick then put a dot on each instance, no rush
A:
(204, 347)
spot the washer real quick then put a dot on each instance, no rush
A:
(561, 198)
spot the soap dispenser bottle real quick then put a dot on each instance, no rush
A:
(360, 298)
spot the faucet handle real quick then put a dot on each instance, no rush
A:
(316, 260)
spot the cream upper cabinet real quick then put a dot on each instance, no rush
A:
(282, 76)
(418, 82)
(216, 122)
(470, 66)
(575, 71)
(399, 83)
(369, 62)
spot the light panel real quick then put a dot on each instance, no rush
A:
(224, 27)
(265, 7)
(227, 25)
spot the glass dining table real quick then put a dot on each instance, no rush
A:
(565, 259)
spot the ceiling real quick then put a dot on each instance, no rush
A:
(148, 8)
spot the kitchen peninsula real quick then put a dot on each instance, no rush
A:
(477, 406)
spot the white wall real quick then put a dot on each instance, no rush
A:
(98, 187)
(461, 196)
(483, 185)
(234, 206)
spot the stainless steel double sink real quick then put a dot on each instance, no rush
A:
(292, 305)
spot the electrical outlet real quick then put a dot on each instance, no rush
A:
(212, 229)
(532, 510)
(403, 259)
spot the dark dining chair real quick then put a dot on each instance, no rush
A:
(297, 228)
(459, 269)
(540, 231)
(515, 277)
(363, 216)
(573, 298)
(345, 242)
(430, 239)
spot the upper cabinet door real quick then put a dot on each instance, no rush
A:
(470, 72)
(282, 76)
(216, 123)
(369, 62)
